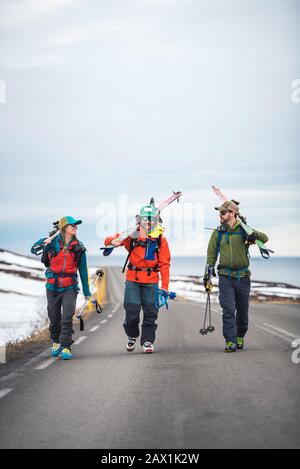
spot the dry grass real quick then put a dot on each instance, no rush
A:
(27, 347)
(36, 342)
(275, 300)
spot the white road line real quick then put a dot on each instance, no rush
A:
(116, 308)
(80, 339)
(94, 329)
(277, 334)
(110, 316)
(216, 311)
(4, 392)
(104, 321)
(46, 363)
(282, 331)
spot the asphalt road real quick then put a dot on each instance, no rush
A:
(188, 394)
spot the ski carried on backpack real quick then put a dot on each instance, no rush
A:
(38, 248)
(107, 250)
(265, 252)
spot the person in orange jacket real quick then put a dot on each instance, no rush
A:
(149, 259)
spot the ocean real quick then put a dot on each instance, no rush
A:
(275, 269)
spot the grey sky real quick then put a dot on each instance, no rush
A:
(140, 97)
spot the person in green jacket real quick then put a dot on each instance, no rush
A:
(231, 243)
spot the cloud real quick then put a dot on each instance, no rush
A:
(15, 13)
(143, 97)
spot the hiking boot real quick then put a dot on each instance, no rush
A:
(148, 347)
(131, 344)
(56, 349)
(66, 354)
(230, 347)
(240, 343)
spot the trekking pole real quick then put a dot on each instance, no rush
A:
(99, 274)
(208, 288)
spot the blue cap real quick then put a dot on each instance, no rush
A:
(64, 221)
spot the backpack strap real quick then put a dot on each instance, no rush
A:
(78, 249)
(129, 254)
(135, 243)
(222, 231)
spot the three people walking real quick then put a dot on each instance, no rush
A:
(148, 262)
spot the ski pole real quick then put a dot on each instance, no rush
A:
(208, 288)
(99, 274)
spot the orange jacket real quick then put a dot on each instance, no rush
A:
(137, 259)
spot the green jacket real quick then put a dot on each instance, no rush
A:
(234, 259)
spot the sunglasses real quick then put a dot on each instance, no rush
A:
(223, 212)
(74, 226)
(151, 220)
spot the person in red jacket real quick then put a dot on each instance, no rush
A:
(63, 256)
(149, 259)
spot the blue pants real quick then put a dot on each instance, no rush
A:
(138, 296)
(234, 300)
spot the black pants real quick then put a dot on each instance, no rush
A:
(234, 300)
(138, 296)
(61, 309)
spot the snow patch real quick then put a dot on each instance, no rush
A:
(191, 288)
(18, 260)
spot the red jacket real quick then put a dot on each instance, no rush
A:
(64, 262)
(137, 259)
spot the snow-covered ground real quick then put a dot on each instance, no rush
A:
(23, 308)
(22, 296)
(191, 288)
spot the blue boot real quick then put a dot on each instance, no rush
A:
(66, 354)
(56, 349)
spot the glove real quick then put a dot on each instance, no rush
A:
(210, 271)
(251, 239)
(164, 294)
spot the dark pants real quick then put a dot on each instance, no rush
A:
(61, 309)
(234, 300)
(137, 296)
